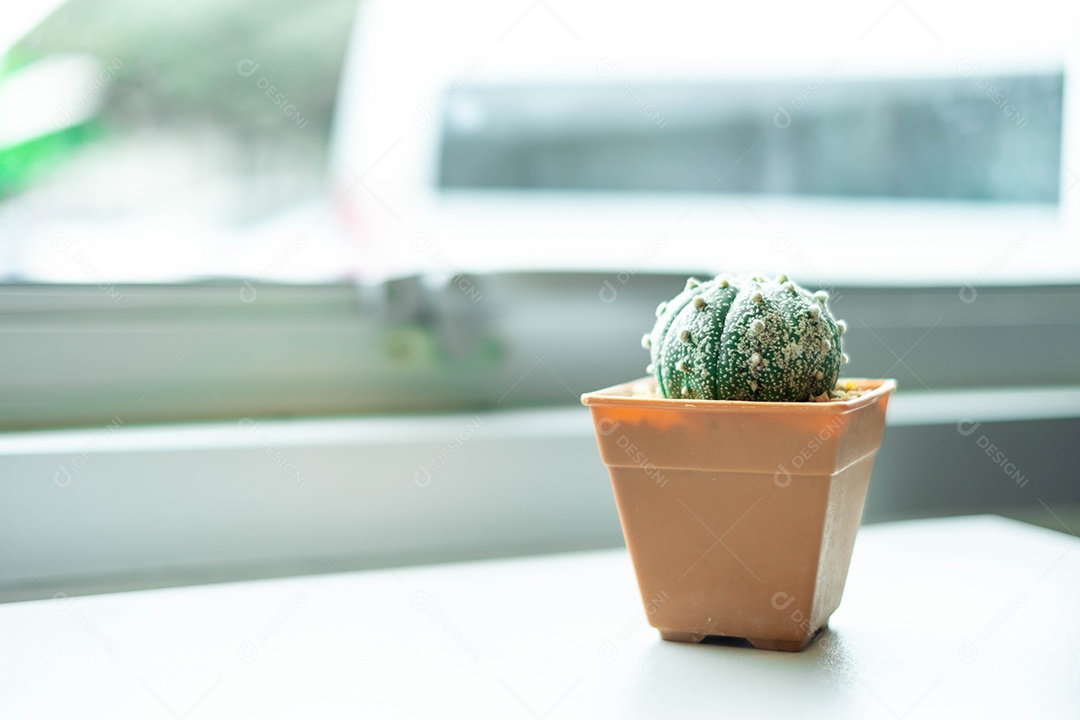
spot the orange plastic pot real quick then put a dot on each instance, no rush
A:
(740, 517)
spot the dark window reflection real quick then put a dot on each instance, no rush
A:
(956, 138)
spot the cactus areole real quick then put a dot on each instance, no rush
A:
(745, 339)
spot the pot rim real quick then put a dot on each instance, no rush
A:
(620, 396)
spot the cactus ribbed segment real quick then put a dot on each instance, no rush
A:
(745, 339)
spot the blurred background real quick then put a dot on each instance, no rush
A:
(298, 289)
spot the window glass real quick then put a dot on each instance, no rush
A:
(932, 138)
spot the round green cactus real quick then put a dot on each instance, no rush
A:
(745, 339)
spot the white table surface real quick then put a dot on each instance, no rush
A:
(975, 617)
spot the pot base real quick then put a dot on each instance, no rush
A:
(759, 643)
(683, 637)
